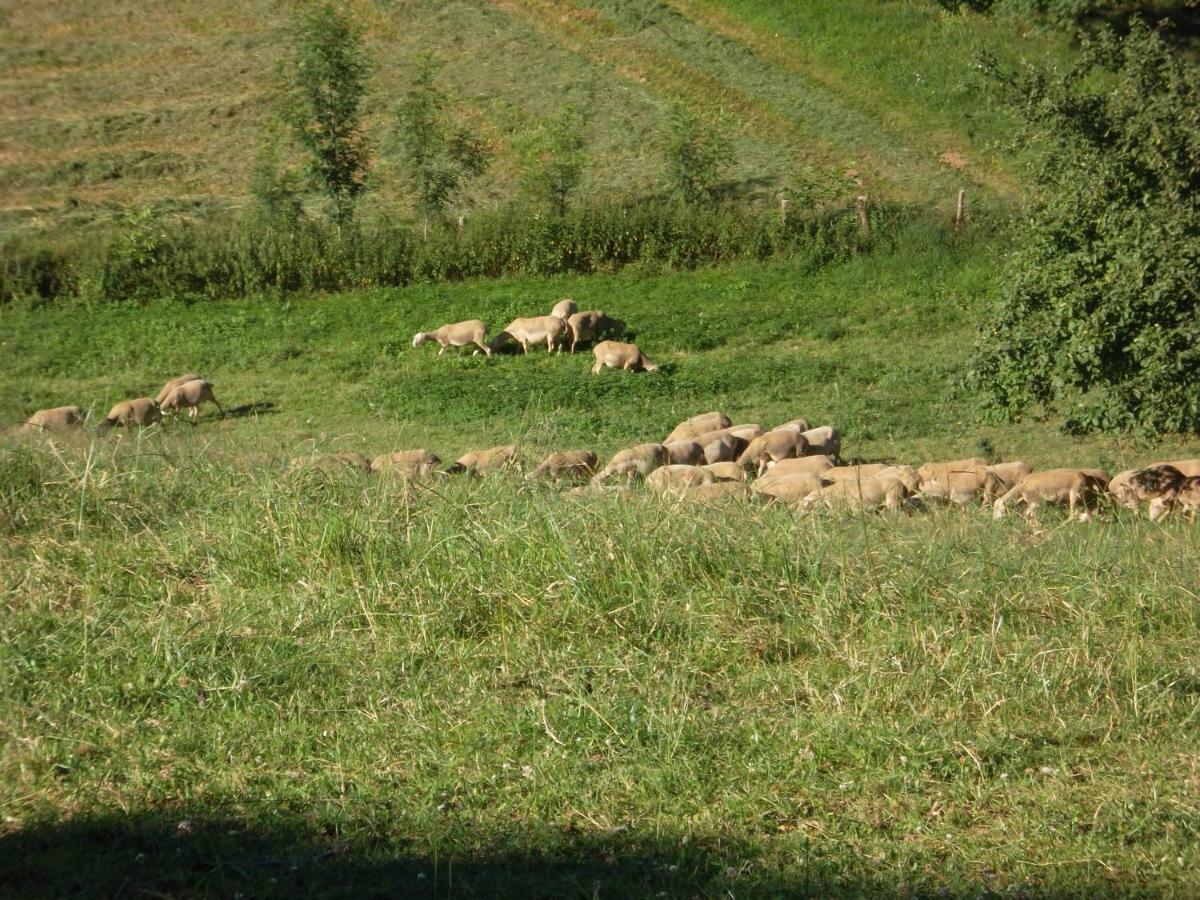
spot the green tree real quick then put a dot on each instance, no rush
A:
(326, 83)
(697, 155)
(555, 159)
(438, 158)
(1100, 304)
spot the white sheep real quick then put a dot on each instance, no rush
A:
(824, 441)
(879, 491)
(772, 447)
(720, 446)
(616, 355)
(565, 308)
(813, 465)
(174, 383)
(684, 453)
(61, 418)
(1075, 487)
(456, 334)
(703, 423)
(189, 396)
(592, 324)
(548, 330)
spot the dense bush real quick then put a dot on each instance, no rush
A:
(251, 255)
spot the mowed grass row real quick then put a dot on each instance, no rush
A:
(872, 346)
(221, 678)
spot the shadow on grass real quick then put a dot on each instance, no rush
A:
(248, 410)
(169, 854)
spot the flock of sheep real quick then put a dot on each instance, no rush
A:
(185, 392)
(707, 458)
(564, 324)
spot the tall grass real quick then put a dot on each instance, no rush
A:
(246, 256)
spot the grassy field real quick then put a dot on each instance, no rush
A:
(221, 677)
(108, 106)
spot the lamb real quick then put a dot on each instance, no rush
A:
(824, 440)
(174, 383)
(726, 471)
(616, 355)
(704, 423)
(565, 308)
(886, 491)
(406, 463)
(814, 465)
(141, 412)
(671, 478)
(569, 464)
(1075, 486)
(457, 334)
(636, 462)
(772, 447)
(61, 418)
(190, 395)
(587, 326)
(685, 453)
(793, 489)
(535, 330)
(482, 462)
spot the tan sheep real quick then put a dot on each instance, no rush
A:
(812, 465)
(1009, 473)
(825, 441)
(772, 447)
(746, 432)
(189, 396)
(174, 383)
(61, 418)
(128, 413)
(941, 469)
(1121, 489)
(673, 478)
(960, 486)
(720, 446)
(484, 462)
(406, 463)
(799, 425)
(704, 423)
(726, 471)
(548, 330)
(456, 334)
(636, 462)
(1158, 484)
(587, 326)
(616, 355)
(568, 464)
(565, 308)
(794, 489)
(1187, 497)
(854, 473)
(717, 492)
(1075, 487)
(684, 453)
(1187, 467)
(880, 491)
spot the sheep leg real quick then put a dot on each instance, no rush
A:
(441, 349)
(194, 413)
(597, 367)
(484, 347)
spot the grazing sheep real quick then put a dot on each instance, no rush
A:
(941, 469)
(880, 491)
(60, 418)
(813, 465)
(483, 462)
(569, 464)
(795, 489)
(636, 462)
(616, 355)
(587, 326)
(1010, 473)
(772, 447)
(1074, 486)
(456, 334)
(1122, 492)
(746, 432)
(799, 425)
(347, 459)
(190, 395)
(720, 446)
(684, 453)
(671, 478)
(717, 491)
(174, 383)
(550, 330)
(906, 474)
(705, 423)
(406, 463)
(826, 441)
(854, 473)
(1188, 467)
(565, 308)
(1188, 496)
(141, 412)
(961, 486)
(726, 471)
(1154, 483)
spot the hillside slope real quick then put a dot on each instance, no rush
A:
(134, 103)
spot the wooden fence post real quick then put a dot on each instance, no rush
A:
(863, 219)
(960, 211)
(783, 211)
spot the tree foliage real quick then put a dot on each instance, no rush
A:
(327, 80)
(438, 158)
(555, 160)
(697, 154)
(1101, 303)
